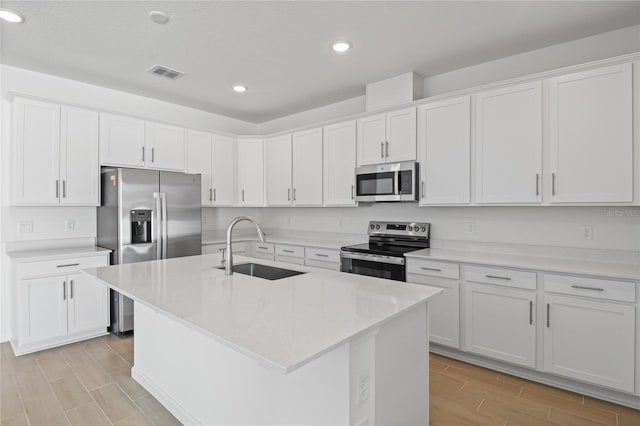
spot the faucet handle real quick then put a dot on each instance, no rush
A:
(223, 261)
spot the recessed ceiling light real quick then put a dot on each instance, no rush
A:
(159, 17)
(340, 46)
(240, 88)
(11, 16)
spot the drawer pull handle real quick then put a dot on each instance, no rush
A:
(67, 265)
(263, 248)
(322, 255)
(424, 268)
(496, 277)
(580, 287)
(287, 251)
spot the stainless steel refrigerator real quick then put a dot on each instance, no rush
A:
(146, 215)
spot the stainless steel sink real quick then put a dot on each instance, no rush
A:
(263, 271)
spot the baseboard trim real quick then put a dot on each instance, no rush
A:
(163, 397)
(48, 344)
(616, 397)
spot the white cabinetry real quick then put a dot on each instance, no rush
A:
(55, 159)
(307, 168)
(200, 160)
(591, 136)
(122, 141)
(500, 319)
(508, 144)
(590, 338)
(289, 254)
(165, 147)
(279, 165)
(250, 169)
(387, 137)
(444, 146)
(339, 163)
(223, 170)
(55, 304)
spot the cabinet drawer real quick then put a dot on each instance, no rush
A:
(290, 259)
(286, 250)
(265, 256)
(264, 248)
(622, 291)
(498, 276)
(61, 266)
(331, 266)
(433, 268)
(324, 255)
(238, 248)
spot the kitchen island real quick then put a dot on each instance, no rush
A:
(321, 347)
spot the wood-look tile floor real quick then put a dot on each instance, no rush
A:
(86, 383)
(89, 383)
(464, 394)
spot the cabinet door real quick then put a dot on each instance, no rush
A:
(199, 160)
(79, 164)
(500, 323)
(401, 135)
(508, 138)
(36, 160)
(307, 168)
(88, 303)
(165, 147)
(371, 138)
(223, 173)
(591, 136)
(250, 172)
(279, 188)
(444, 309)
(43, 307)
(339, 163)
(591, 341)
(121, 141)
(445, 138)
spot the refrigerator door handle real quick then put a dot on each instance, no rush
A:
(158, 227)
(165, 226)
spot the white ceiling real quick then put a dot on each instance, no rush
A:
(280, 50)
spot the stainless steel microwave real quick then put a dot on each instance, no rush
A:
(387, 182)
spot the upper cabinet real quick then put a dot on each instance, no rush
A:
(122, 141)
(55, 154)
(200, 161)
(339, 163)
(223, 170)
(279, 187)
(444, 143)
(130, 142)
(508, 144)
(387, 137)
(250, 169)
(165, 147)
(307, 168)
(591, 136)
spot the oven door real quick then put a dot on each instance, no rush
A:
(389, 267)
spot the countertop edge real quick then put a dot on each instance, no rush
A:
(21, 256)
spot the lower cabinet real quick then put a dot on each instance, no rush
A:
(590, 340)
(87, 303)
(500, 323)
(43, 306)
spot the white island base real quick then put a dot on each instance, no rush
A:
(379, 378)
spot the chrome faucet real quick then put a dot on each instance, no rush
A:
(228, 266)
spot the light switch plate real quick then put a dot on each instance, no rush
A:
(25, 227)
(69, 225)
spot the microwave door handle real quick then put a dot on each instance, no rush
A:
(398, 184)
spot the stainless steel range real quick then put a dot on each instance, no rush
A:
(383, 255)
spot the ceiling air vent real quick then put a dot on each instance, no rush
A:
(165, 72)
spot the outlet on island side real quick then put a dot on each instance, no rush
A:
(362, 387)
(471, 228)
(69, 225)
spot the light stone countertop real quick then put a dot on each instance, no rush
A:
(296, 241)
(623, 271)
(283, 324)
(56, 253)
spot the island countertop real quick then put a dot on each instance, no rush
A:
(283, 324)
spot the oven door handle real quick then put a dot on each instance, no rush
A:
(373, 258)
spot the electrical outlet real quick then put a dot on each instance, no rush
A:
(69, 225)
(471, 228)
(362, 387)
(25, 227)
(587, 232)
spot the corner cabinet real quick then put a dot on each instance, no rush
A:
(387, 137)
(339, 163)
(444, 144)
(508, 145)
(279, 186)
(55, 154)
(213, 157)
(591, 136)
(307, 167)
(250, 169)
(55, 303)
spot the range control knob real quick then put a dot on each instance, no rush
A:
(377, 226)
(373, 226)
(410, 228)
(423, 229)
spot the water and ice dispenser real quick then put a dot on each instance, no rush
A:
(140, 226)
